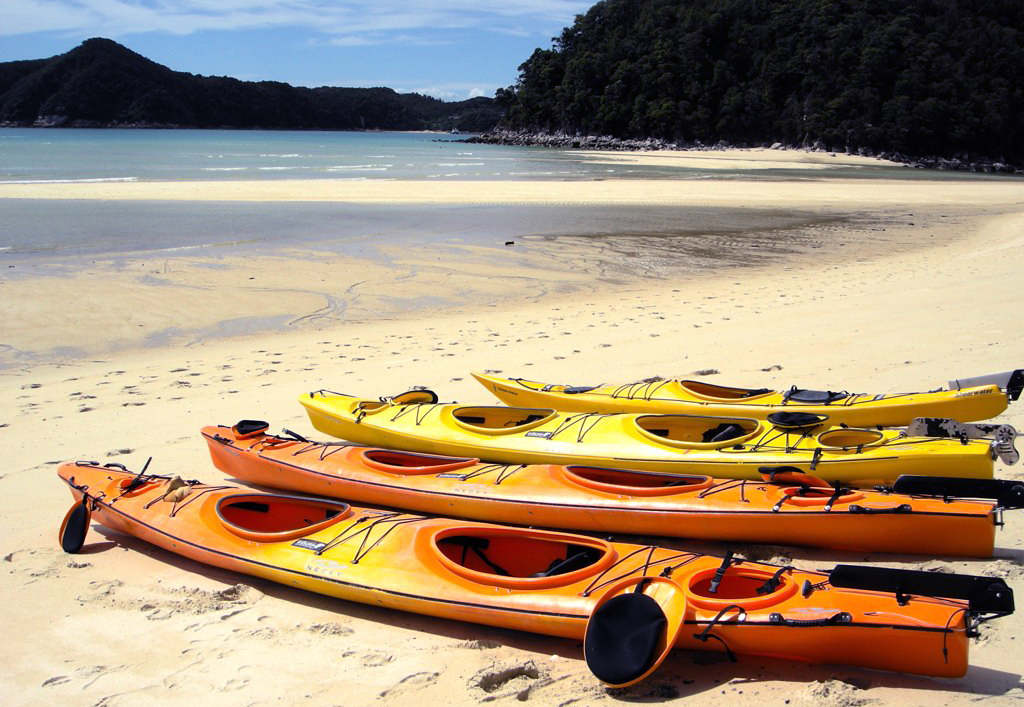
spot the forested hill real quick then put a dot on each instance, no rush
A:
(101, 83)
(919, 77)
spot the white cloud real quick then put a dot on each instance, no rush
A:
(348, 20)
(448, 91)
(371, 38)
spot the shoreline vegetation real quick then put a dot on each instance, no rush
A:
(903, 77)
(559, 140)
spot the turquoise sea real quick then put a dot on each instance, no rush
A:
(41, 155)
(59, 233)
(59, 155)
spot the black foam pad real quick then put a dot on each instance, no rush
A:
(623, 636)
(250, 427)
(75, 528)
(795, 420)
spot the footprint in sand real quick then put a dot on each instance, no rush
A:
(506, 680)
(410, 682)
(41, 564)
(330, 629)
(375, 659)
(86, 675)
(479, 644)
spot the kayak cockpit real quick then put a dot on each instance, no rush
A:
(410, 463)
(633, 483)
(496, 419)
(852, 437)
(518, 558)
(710, 391)
(734, 584)
(696, 430)
(269, 518)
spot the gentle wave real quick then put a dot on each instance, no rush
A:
(360, 167)
(69, 181)
(218, 244)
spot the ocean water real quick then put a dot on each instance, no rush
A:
(59, 232)
(40, 155)
(63, 155)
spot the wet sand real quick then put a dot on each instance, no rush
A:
(902, 289)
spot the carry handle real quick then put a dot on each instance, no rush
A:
(864, 510)
(842, 617)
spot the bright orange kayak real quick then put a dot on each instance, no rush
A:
(549, 582)
(787, 507)
(965, 401)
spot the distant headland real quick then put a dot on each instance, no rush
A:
(101, 83)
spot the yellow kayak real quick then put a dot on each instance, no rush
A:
(962, 403)
(737, 448)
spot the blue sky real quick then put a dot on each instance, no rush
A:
(452, 49)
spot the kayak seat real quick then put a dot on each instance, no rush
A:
(526, 421)
(722, 433)
(482, 421)
(703, 389)
(270, 518)
(477, 545)
(495, 417)
(813, 397)
(583, 557)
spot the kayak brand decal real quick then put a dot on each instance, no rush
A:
(538, 433)
(309, 544)
(460, 477)
(971, 393)
(506, 390)
(325, 567)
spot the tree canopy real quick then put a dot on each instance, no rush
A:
(919, 77)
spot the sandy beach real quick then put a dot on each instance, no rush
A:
(887, 285)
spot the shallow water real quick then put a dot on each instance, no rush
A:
(63, 232)
(38, 155)
(46, 231)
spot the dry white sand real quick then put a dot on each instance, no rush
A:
(755, 158)
(126, 624)
(646, 192)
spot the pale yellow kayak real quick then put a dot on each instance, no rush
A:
(693, 397)
(729, 447)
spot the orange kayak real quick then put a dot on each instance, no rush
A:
(549, 582)
(792, 508)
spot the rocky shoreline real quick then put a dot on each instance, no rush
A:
(606, 142)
